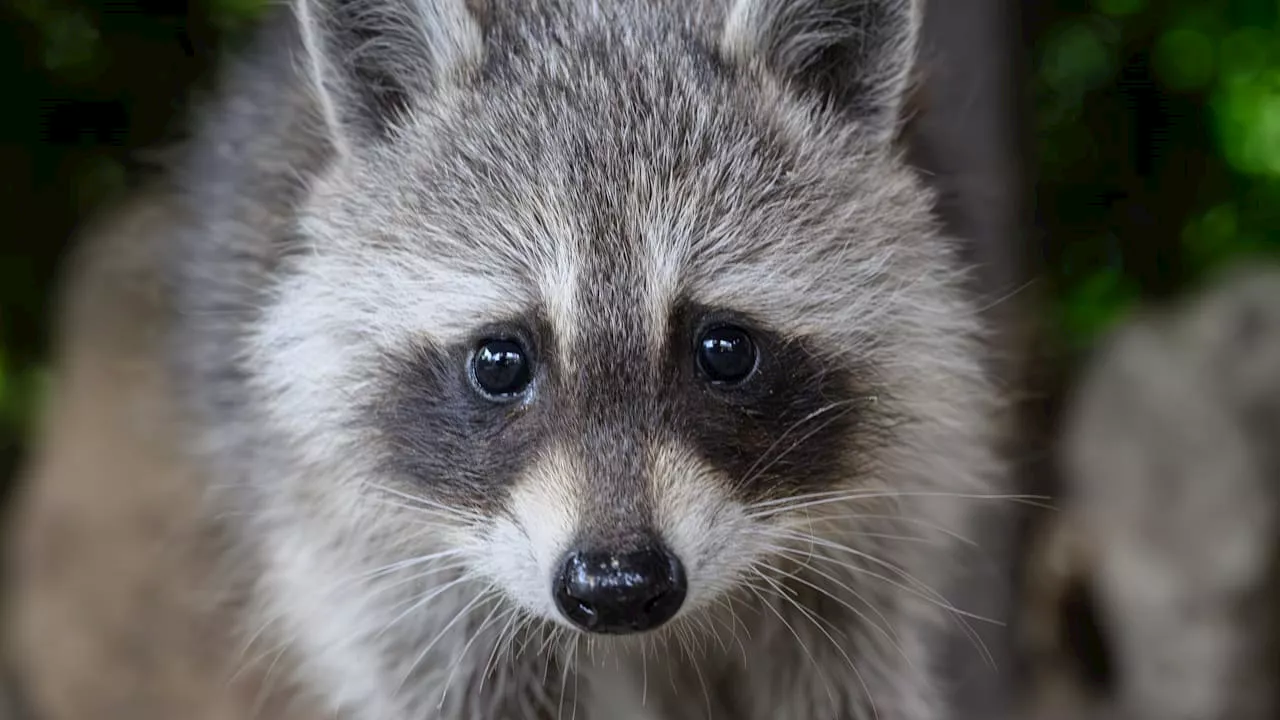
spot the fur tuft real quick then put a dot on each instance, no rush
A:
(371, 60)
(856, 55)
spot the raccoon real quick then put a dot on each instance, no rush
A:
(519, 360)
(1155, 593)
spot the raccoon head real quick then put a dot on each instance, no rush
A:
(597, 303)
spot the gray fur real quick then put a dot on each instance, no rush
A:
(595, 174)
(1171, 512)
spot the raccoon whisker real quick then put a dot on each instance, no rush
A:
(769, 508)
(400, 565)
(926, 593)
(341, 583)
(897, 518)
(576, 674)
(422, 502)
(418, 603)
(698, 633)
(681, 632)
(924, 590)
(519, 627)
(751, 477)
(855, 493)
(707, 627)
(1002, 299)
(551, 639)
(529, 628)
(810, 521)
(476, 633)
(430, 516)
(570, 658)
(509, 619)
(702, 682)
(671, 677)
(748, 479)
(671, 671)
(269, 680)
(715, 623)
(244, 665)
(813, 661)
(421, 511)
(899, 538)
(423, 575)
(644, 664)
(839, 495)
(522, 625)
(733, 622)
(687, 646)
(490, 592)
(750, 472)
(970, 634)
(887, 629)
(812, 618)
(592, 646)
(240, 656)
(530, 631)
(745, 629)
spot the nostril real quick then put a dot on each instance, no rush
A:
(620, 593)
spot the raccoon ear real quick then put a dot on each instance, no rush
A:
(855, 55)
(369, 61)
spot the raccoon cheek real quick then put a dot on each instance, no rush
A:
(521, 550)
(505, 557)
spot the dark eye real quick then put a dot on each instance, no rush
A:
(726, 354)
(501, 368)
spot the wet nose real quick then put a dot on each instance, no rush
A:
(615, 594)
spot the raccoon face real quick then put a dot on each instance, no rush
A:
(615, 467)
(600, 304)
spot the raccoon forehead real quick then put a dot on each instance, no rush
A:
(442, 278)
(445, 252)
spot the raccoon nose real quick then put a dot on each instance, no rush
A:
(616, 594)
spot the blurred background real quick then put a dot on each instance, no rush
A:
(1146, 134)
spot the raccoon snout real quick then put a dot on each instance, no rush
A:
(616, 594)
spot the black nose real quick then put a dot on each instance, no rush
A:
(617, 594)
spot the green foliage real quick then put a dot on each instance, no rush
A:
(1204, 172)
(87, 83)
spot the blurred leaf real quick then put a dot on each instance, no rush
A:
(1120, 7)
(1183, 58)
(1210, 238)
(1246, 109)
(237, 14)
(1246, 50)
(1093, 305)
(4, 383)
(1077, 58)
(71, 44)
(21, 399)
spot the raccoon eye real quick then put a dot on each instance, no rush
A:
(500, 368)
(726, 354)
